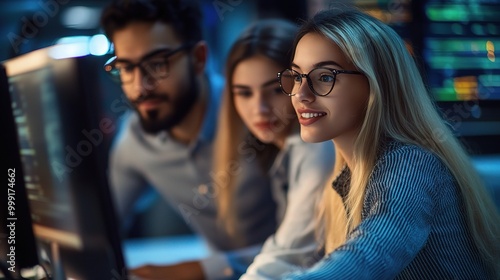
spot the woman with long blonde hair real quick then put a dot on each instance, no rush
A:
(405, 201)
(258, 130)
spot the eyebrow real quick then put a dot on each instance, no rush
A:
(146, 56)
(321, 64)
(266, 84)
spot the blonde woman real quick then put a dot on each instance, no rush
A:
(405, 202)
(258, 129)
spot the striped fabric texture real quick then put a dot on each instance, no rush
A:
(413, 224)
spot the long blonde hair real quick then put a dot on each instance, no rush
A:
(399, 107)
(272, 38)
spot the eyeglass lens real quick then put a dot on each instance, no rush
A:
(155, 67)
(321, 80)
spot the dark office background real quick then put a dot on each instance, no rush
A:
(454, 42)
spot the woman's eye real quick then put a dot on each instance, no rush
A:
(277, 90)
(326, 78)
(243, 93)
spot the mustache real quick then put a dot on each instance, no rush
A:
(146, 97)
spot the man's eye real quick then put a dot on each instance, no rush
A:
(126, 68)
(157, 66)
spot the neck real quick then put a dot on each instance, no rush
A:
(280, 143)
(344, 144)
(188, 129)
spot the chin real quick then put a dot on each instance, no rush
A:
(265, 139)
(312, 137)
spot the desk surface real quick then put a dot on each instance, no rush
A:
(164, 250)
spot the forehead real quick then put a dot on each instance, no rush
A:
(139, 38)
(313, 48)
(256, 70)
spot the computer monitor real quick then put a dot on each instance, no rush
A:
(462, 69)
(17, 243)
(56, 106)
(459, 49)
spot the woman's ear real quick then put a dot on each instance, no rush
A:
(200, 54)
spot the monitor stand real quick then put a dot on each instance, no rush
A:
(56, 263)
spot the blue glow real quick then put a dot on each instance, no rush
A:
(99, 45)
(72, 40)
(81, 17)
(69, 50)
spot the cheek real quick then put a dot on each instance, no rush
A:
(294, 101)
(360, 101)
(281, 104)
(175, 88)
(353, 108)
(239, 106)
(179, 78)
(287, 103)
(128, 91)
(169, 84)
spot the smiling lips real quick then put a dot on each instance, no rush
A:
(308, 117)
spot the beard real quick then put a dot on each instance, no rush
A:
(181, 106)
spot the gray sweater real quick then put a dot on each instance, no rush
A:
(182, 175)
(299, 175)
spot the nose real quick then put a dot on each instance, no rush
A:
(262, 104)
(305, 94)
(142, 83)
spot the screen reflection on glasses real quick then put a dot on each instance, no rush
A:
(154, 65)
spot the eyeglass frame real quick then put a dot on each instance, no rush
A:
(335, 72)
(109, 65)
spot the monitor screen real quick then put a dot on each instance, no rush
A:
(40, 132)
(17, 243)
(459, 49)
(61, 133)
(461, 68)
(453, 43)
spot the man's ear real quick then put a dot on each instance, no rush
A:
(200, 54)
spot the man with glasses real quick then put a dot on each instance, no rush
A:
(167, 141)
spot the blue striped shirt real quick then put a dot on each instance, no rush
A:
(413, 224)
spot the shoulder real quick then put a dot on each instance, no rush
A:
(313, 159)
(301, 151)
(297, 147)
(128, 132)
(407, 168)
(405, 157)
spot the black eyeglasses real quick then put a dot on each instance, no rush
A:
(154, 65)
(320, 80)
